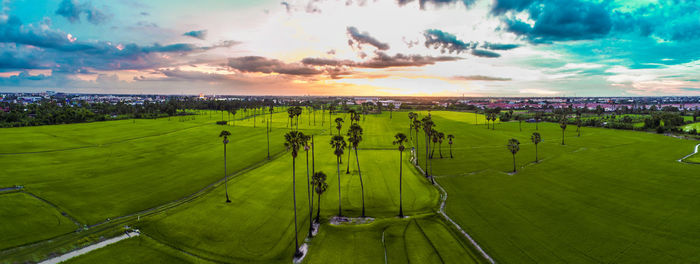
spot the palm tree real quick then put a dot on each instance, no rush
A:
(355, 137)
(308, 185)
(225, 134)
(450, 137)
(297, 112)
(538, 117)
(513, 147)
(579, 123)
(441, 137)
(562, 124)
(290, 113)
(391, 110)
(536, 139)
(338, 124)
(320, 186)
(412, 118)
(293, 141)
(400, 140)
(338, 144)
(417, 125)
(520, 119)
(356, 117)
(427, 125)
(352, 113)
(434, 139)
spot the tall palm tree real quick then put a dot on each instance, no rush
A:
(356, 117)
(339, 124)
(520, 119)
(225, 134)
(308, 185)
(355, 137)
(417, 125)
(434, 139)
(441, 137)
(562, 124)
(338, 144)
(427, 125)
(400, 139)
(352, 113)
(412, 118)
(513, 147)
(536, 139)
(450, 137)
(320, 187)
(291, 114)
(297, 112)
(294, 140)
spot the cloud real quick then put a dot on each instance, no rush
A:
(382, 60)
(480, 78)
(198, 34)
(437, 3)
(264, 65)
(364, 38)
(449, 43)
(71, 10)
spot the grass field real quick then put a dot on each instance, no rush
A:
(26, 219)
(692, 126)
(607, 196)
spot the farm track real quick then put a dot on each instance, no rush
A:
(691, 154)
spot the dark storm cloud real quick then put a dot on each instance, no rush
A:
(437, 3)
(199, 34)
(359, 38)
(480, 78)
(71, 10)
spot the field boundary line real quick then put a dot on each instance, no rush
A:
(441, 211)
(691, 154)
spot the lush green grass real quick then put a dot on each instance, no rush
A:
(608, 196)
(694, 158)
(135, 250)
(423, 239)
(24, 219)
(258, 224)
(692, 126)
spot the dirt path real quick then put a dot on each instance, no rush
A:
(89, 248)
(691, 154)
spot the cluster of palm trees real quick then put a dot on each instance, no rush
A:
(431, 134)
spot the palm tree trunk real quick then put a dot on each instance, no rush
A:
(562, 136)
(308, 195)
(225, 176)
(347, 171)
(340, 210)
(514, 162)
(440, 149)
(579, 131)
(294, 196)
(400, 181)
(268, 139)
(313, 170)
(536, 159)
(537, 124)
(362, 186)
(520, 125)
(451, 152)
(432, 152)
(318, 209)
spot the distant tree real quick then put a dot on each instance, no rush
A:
(412, 118)
(562, 124)
(538, 117)
(520, 119)
(338, 144)
(291, 113)
(355, 137)
(536, 139)
(513, 147)
(450, 137)
(417, 125)
(391, 110)
(400, 139)
(338, 124)
(320, 187)
(293, 141)
(579, 123)
(352, 113)
(225, 134)
(434, 137)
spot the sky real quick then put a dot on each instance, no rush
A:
(352, 47)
